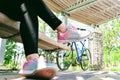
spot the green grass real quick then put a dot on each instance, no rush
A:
(78, 68)
(75, 68)
(114, 69)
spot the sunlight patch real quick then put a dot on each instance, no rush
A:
(80, 78)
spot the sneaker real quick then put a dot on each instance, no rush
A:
(37, 65)
(73, 34)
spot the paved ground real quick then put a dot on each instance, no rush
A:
(68, 75)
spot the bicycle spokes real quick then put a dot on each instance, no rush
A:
(85, 60)
(64, 59)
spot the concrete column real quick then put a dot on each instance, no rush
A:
(96, 49)
(65, 14)
(2, 50)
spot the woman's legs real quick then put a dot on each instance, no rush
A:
(29, 30)
(29, 34)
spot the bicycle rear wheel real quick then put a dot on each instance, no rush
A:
(85, 60)
(64, 58)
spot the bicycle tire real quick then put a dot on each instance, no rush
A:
(85, 60)
(64, 59)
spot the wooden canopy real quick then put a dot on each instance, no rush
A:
(87, 11)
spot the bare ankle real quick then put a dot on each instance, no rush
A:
(32, 56)
(62, 28)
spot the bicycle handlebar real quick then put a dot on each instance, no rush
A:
(81, 29)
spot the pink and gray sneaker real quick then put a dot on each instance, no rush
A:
(73, 34)
(37, 65)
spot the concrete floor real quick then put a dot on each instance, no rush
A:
(68, 75)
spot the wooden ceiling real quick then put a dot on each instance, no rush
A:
(87, 11)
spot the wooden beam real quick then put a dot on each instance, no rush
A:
(80, 5)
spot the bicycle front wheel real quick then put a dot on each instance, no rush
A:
(64, 59)
(85, 60)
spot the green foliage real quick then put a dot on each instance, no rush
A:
(10, 54)
(114, 58)
(53, 34)
(42, 25)
(111, 40)
(74, 59)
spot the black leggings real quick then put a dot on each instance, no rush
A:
(26, 12)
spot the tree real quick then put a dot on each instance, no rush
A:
(13, 55)
(110, 32)
(10, 53)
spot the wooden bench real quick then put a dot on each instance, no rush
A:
(10, 29)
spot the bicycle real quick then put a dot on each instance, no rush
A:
(64, 58)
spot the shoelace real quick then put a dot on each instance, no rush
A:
(72, 27)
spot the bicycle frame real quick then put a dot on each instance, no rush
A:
(79, 51)
(82, 57)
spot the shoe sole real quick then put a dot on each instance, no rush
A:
(83, 38)
(41, 73)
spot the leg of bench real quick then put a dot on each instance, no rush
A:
(2, 50)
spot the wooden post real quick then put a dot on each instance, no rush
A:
(2, 50)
